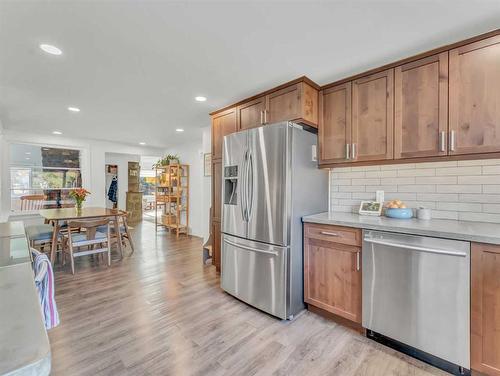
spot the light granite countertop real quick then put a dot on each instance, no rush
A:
(482, 232)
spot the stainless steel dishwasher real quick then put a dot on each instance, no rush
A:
(416, 295)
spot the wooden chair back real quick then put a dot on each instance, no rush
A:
(90, 226)
(32, 202)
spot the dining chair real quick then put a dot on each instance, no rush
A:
(32, 202)
(82, 243)
(124, 230)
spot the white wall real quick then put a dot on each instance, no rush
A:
(121, 160)
(191, 153)
(464, 190)
(93, 158)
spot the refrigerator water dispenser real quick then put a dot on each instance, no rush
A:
(230, 185)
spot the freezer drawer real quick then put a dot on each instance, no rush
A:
(416, 290)
(255, 273)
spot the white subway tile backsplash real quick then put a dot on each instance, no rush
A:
(436, 180)
(491, 188)
(455, 188)
(466, 190)
(397, 181)
(417, 188)
(456, 171)
(479, 179)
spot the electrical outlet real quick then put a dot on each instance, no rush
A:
(314, 155)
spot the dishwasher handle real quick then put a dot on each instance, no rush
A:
(415, 248)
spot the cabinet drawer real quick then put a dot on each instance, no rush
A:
(335, 234)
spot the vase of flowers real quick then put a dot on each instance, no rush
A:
(167, 160)
(79, 194)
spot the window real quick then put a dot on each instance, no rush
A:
(41, 177)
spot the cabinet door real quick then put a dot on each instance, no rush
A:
(372, 117)
(485, 308)
(284, 104)
(475, 97)
(332, 278)
(334, 129)
(216, 190)
(421, 107)
(216, 241)
(251, 114)
(223, 124)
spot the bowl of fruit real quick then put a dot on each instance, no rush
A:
(397, 209)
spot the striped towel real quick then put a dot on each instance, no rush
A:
(44, 282)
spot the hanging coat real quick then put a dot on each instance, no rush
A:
(112, 191)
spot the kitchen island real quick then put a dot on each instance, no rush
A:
(23, 338)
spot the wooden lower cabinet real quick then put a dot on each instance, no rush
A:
(485, 308)
(332, 273)
(216, 236)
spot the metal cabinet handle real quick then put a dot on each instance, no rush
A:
(353, 151)
(250, 248)
(329, 233)
(265, 116)
(262, 117)
(416, 248)
(442, 141)
(347, 151)
(452, 140)
(358, 266)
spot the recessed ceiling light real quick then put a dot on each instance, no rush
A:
(142, 143)
(74, 109)
(200, 99)
(179, 130)
(28, 153)
(27, 159)
(50, 49)
(57, 132)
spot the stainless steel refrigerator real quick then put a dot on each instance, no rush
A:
(270, 180)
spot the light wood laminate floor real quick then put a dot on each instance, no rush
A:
(161, 312)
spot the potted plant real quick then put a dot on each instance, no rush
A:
(167, 160)
(79, 194)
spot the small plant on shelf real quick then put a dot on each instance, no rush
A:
(167, 160)
(79, 194)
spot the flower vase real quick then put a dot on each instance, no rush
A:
(79, 206)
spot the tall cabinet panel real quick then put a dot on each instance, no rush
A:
(475, 97)
(223, 124)
(372, 117)
(334, 129)
(421, 108)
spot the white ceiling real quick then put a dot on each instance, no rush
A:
(134, 67)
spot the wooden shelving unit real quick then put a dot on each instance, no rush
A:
(172, 198)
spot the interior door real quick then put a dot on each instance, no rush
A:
(233, 190)
(267, 184)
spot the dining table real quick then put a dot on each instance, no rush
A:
(57, 216)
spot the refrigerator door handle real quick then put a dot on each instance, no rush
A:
(249, 184)
(243, 187)
(250, 248)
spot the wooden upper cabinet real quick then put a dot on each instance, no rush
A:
(295, 102)
(421, 107)
(475, 97)
(334, 129)
(332, 274)
(251, 114)
(372, 117)
(485, 308)
(223, 123)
